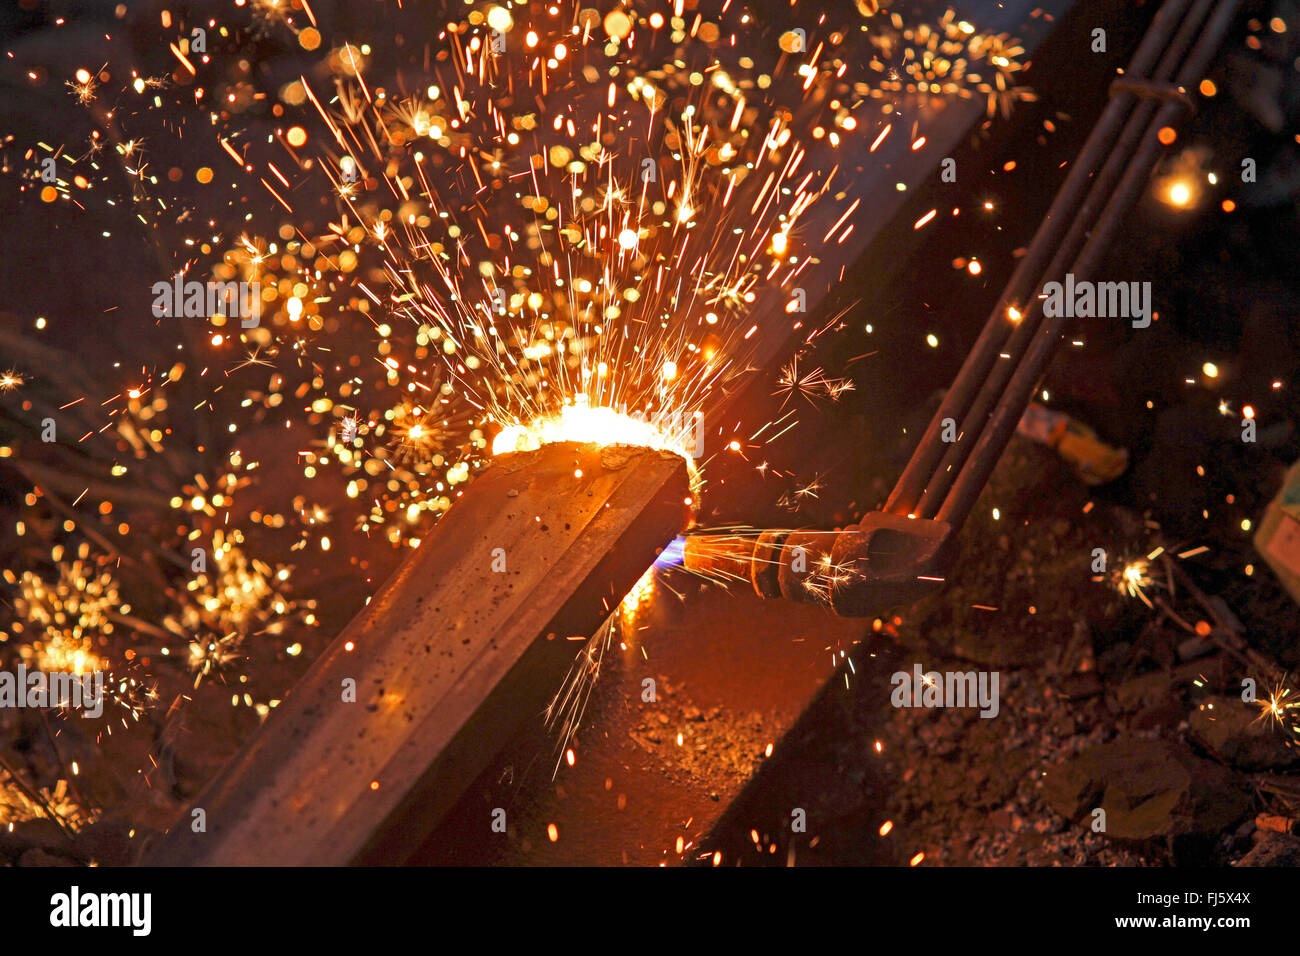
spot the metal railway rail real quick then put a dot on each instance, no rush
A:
(466, 641)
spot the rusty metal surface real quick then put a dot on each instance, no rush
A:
(733, 673)
(449, 658)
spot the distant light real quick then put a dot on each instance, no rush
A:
(1210, 369)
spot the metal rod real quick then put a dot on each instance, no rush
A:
(1102, 186)
(956, 402)
(994, 438)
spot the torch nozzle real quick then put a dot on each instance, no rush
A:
(883, 561)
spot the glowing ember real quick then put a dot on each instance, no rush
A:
(579, 422)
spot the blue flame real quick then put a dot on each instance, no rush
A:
(673, 554)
